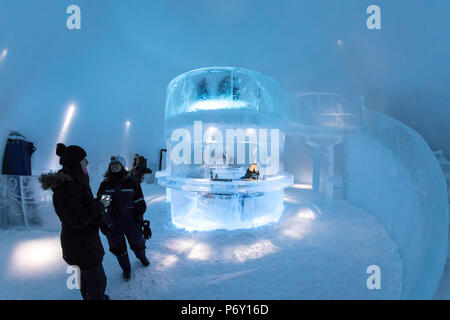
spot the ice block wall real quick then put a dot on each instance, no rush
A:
(391, 172)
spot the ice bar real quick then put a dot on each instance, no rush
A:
(224, 131)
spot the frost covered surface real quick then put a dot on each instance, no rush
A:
(310, 253)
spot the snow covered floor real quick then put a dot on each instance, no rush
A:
(311, 253)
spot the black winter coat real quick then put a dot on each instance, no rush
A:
(127, 197)
(80, 215)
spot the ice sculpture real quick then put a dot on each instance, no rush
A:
(225, 137)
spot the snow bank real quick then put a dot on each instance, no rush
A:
(391, 172)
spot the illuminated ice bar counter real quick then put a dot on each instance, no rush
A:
(225, 138)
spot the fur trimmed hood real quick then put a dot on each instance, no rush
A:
(53, 180)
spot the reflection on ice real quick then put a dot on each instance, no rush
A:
(193, 250)
(200, 251)
(298, 225)
(256, 250)
(291, 199)
(164, 262)
(197, 250)
(169, 261)
(306, 214)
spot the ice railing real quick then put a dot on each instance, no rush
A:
(316, 125)
(392, 173)
(324, 112)
(23, 203)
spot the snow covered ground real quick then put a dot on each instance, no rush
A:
(310, 253)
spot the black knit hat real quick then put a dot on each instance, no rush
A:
(69, 156)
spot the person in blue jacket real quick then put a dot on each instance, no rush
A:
(125, 213)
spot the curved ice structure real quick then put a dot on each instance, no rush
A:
(225, 137)
(382, 166)
(393, 173)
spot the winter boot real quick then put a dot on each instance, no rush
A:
(124, 263)
(141, 256)
(145, 262)
(126, 275)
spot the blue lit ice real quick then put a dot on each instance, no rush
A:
(210, 195)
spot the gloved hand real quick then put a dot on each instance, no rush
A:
(105, 224)
(147, 232)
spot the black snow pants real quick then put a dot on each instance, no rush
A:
(126, 227)
(93, 283)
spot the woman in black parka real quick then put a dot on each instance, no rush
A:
(81, 216)
(126, 214)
